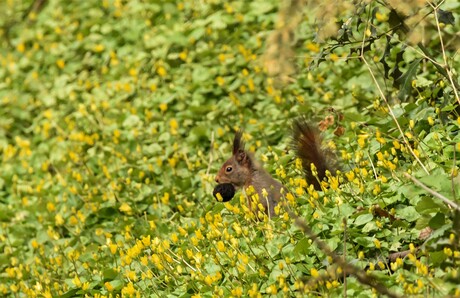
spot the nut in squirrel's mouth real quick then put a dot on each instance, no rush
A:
(224, 192)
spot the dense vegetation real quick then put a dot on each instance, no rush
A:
(116, 115)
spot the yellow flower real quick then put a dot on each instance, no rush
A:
(273, 290)
(312, 47)
(174, 238)
(376, 189)
(60, 63)
(183, 55)
(219, 197)
(128, 289)
(131, 275)
(334, 57)
(21, 47)
(350, 176)
(132, 72)
(237, 292)
(59, 219)
(221, 246)
(220, 81)
(51, 207)
(377, 243)
(34, 243)
(334, 182)
(174, 125)
(76, 281)
(362, 140)
(108, 286)
(113, 248)
(254, 292)
(161, 71)
(125, 208)
(165, 198)
(381, 17)
(199, 235)
(99, 48)
(316, 215)
(163, 107)
(314, 272)
(208, 280)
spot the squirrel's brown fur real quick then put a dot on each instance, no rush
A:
(242, 171)
(307, 142)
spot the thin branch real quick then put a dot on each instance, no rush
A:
(444, 56)
(400, 254)
(454, 193)
(433, 193)
(441, 69)
(348, 268)
(344, 257)
(210, 154)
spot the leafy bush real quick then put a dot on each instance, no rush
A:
(116, 115)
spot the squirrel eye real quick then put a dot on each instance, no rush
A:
(228, 169)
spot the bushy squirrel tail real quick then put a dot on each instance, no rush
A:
(307, 143)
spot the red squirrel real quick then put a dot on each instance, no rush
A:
(241, 170)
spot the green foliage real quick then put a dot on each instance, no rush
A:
(116, 115)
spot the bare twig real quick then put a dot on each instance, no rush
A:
(455, 85)
(433, 193)
(400, 254)
(348, 268)
(344, 257)
(454, 193)
(210, 154)
(373, 167)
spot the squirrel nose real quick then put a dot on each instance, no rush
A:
(217, 179)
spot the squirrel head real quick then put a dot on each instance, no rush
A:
(237, 170)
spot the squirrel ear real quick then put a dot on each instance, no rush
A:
(240, 156)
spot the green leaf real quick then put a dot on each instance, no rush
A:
(260, 7)
(5, 214)
(408, 213)
(302, 246)
(200, 74)
(437, 257)
(117, 284)
(131, 121)
(69, 294)
(363, 219)
(427, 205)
(437, 221)
(370, 226)
(405, 80)
(364, 241)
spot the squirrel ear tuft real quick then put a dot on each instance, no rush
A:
(241, 156)
(238, 144)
